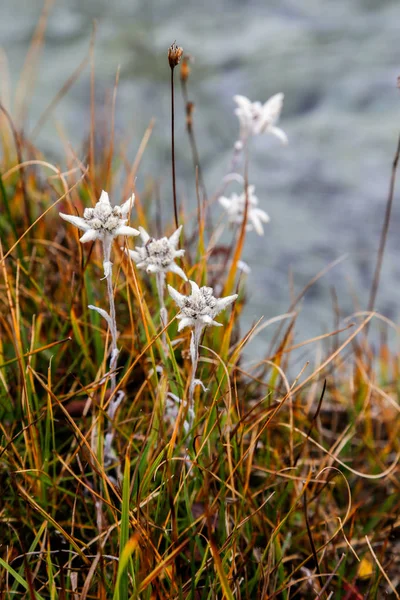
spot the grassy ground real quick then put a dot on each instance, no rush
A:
(287, 486)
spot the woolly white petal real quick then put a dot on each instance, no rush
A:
(222, 303)
(175, 269)
(186, 322)
(242, 114)
(194, 286)
(176, 296)
(272, 108)
(279, 133)
(126, 230)
(207, 320)
(256, 223)
(197, 382)
(104, 198)
(242, 101)
(90, 235)
(174, 397)
(174, 238)
(144, 235)
(262, 215)
(142, 251)
(225, 202)
(127, 206)
(153, 269)
(179, 253)
(133, 254)
(101, 312)
(77, 221)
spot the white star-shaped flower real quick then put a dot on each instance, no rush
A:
(256, 118)
(201, 307)
(103, 221)
(158, 256)
(235, 207)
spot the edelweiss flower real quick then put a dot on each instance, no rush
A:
(157, 256)
(200, 308)
(256, 118)
(103, 221)
(235, 207)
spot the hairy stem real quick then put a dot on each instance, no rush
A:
(194, 355)
(112, 323)
(115, 399)
(160, 280)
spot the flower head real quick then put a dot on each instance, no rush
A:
(103, 221)
(235, 207)
(256, 118)
(201, 307)
(158, 256)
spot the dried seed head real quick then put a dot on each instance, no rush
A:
(174, 55)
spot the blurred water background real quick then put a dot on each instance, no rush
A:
(337, 64)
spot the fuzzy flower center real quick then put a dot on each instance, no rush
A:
(103, 216)
(238, 204)
(255, 113)
(199, 304)
(159, 252)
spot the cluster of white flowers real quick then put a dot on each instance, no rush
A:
(158, 256)
(197, 311)
(103, 220)
(201, 307)
(235, 207)
(254, 119)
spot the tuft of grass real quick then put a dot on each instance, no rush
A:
(288, 485)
